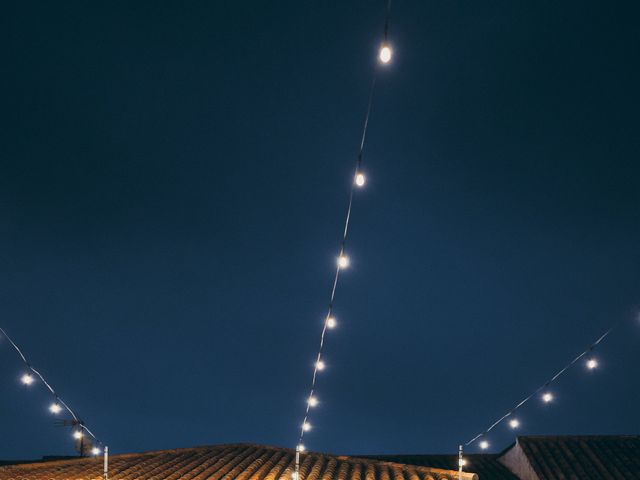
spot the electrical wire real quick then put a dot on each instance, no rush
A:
(77, 422)
(545, 385)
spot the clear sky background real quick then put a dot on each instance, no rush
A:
(173, 183)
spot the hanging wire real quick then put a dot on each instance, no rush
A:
(77, 422)
(546, 384)
(319, 362)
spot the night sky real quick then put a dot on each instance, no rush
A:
(173, 185)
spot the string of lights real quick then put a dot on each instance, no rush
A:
(58, 405)
(342, 262)
(543, 392)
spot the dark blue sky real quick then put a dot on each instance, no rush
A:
(174, 179)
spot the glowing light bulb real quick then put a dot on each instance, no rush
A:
(331, 322)
(462, 462)
(95, 451)
(55, 408)
(300, 448)
(313, 401)
(360, 180)
(385, 53)
(320, 365)
(77, 434)
(514, 423)
(306, 426)
(484, 445)
(547, 397)
(343, 261)
(27, 379)
(592, 363)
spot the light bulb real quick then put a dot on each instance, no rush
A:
(95, 451)
(360, 180)
(385, 53)
(27, 379)
(484, 445)
(320, 365)
(77, 434)
(331, 322)
(306, 426)
(592, 363)
(300, 447)
(462, 462)
(514, 423)
(313, 401)
(55, 408)
(547, 397)
(343, 261)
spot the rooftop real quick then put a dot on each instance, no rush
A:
(225, 462)
(583, 457)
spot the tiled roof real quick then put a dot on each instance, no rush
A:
(585, 457)
(225, 462)
(486, 466)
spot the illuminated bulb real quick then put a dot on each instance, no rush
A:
(484, 445)
(360, 180)
(95, 451)
(514, 423)
(320, 365)
(300, 447)
(27, 379)
(343, 261)
(547, 397)
(77, 435)
(313, 401)
(462, 462)
(306, 426)
(331, 322)
(55, 408)
(385, 53)
(592, 363)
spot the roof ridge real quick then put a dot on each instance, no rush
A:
(44, 462)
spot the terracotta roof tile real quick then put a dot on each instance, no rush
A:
(583, 457)
(225, 462)
(486, 466)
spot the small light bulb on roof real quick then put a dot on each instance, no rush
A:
(27, 379)
(331, 322)
(343, 261)
(320, 365)
(462, 462)
(313, 401)
(55, 408)
(484, 445)
(95, 451)
(385, 53)
(306, 426)
(300, 448)
(547, 397)
(77, 434)
(360, 180)
(514, 423)
(592, 363)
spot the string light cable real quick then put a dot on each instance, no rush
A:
(543, 392)
(384, 57)
(58, 404)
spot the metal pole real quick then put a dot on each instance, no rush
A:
(296, 475)
(460, 462)
(105, 474)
